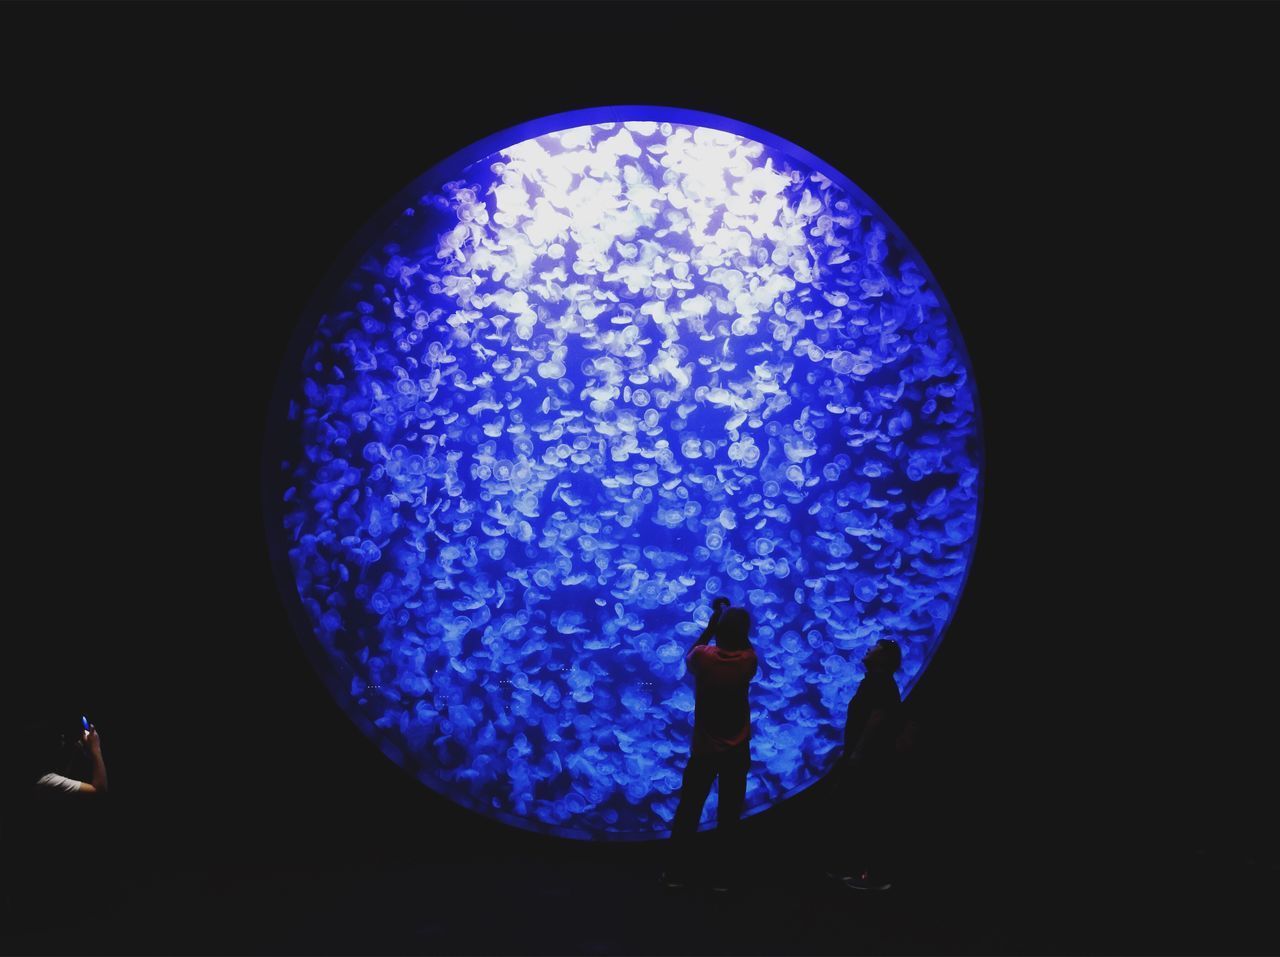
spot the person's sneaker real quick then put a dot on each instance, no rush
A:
(671, 881)
(865, 882)
(839, 876)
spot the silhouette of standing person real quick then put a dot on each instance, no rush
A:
(866, 776)
(721, 736)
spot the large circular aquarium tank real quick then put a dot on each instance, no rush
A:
(569, 386)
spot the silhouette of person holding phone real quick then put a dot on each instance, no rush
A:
(721, 737)
(68, 760)
(59, 779)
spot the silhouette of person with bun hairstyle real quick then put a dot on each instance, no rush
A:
(866, 775)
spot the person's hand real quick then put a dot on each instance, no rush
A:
(92, 742)
(719, 605)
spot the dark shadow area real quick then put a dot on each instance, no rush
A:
(1095, 732)
(402, 888)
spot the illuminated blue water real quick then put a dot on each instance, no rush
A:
(579, 387)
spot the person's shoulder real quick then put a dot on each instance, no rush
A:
(891, 691)
(697, 654)
(52, 783)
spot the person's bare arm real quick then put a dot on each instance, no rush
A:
(99, 783)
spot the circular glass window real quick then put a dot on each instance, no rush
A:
(576, 382)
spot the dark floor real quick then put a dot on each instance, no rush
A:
(613, 904)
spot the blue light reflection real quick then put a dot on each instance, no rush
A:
(592, 375)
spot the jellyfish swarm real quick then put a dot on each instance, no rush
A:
(578, 388)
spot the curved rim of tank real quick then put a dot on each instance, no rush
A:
(341, 268)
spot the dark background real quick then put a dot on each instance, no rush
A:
(1087, 185)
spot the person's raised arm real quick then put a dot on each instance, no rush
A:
(717, 609)
(98, 785)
